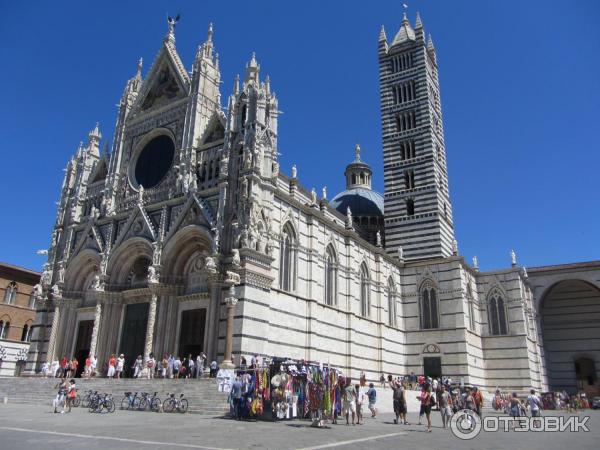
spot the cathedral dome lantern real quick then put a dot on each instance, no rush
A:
(365, 204)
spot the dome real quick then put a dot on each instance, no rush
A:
(362, 202)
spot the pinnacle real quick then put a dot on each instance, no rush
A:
(382, 36)
(418, 23)
(430, 43)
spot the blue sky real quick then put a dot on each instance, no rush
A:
(520, 96)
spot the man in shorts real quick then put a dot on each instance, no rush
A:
(349, 401)
(399, 397)
(445, 404)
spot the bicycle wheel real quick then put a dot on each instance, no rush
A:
(125, 403)
(77, 401)
(93, 406)
(155, 404)
(183, 405)
(85, 402)
(136, 403)
(110, 405)
(142, 404)
(168, 405)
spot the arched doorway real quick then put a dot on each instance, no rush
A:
(570, 311)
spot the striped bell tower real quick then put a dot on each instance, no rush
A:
(418, 212)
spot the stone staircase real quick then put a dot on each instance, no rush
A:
(202, 394)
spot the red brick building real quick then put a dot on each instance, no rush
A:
(17, 311)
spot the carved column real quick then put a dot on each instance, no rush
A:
(231, 301)
(150, 326)
(54, 330)
(96, 328)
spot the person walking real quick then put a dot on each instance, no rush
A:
(151, 365)
(214, 368)
(349, 401)
(399, 401)
(382, 381)
(176, 367)
(445, 405)
(164, 366)
(425, 399)
(87, 369)
(120, 365)
(191, 367)
(171, 367)
(372, 395)
(478, 399)
(535, 405)
(359, 404)
(112, 364)
(199, 366)
(236, 395)
(137, 366)
(71, 393)
(60, 396)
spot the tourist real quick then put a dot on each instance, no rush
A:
(445, 403)
(236, 395)
(60, 396)
(359, 403)
(94, 366)
(74, 367)
(120, 365)
(112, 363)
(199, 365)
(214, 368)
(349, 401)
(399, 401)
(164, 366)
(372, 394)
(382, 381)
(469, 400)
(534, 403)
(151, 364)
(425, 399)
(191, 367)
(71, 394)
(63, 368)
(171, 371)
(176, 367)
(87, 368)
(137, 366)
(45, 368)
(363, 379)
(478, 398)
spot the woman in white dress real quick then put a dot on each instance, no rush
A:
(120, 365)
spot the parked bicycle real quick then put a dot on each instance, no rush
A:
(85, 401)
(149, 401)
(171, 404)
(130, 401)
(102, 403)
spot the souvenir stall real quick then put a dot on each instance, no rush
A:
(287, 390)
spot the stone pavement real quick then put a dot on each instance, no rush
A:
(29, 426)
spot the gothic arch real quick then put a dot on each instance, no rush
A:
(137, 147)
(497, 311)
(185, 245)
(81, 270)
(124, 257)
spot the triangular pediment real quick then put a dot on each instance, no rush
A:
(89, 238)
(196, 211)
(166, 82)
(215, 130)
(138, 224)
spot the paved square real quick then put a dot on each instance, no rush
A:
(26, 426)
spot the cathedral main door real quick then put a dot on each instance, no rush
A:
(133, 336)
(191, 335)
(82, 344)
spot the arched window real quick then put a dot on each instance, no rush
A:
(330, 277)
(365, 292)
(4, 327)
(26, 334)
(471, 302)
(497, 313)
(11, 293)
(287, 259)
(392, 312)
(429, 306)
(410, 207)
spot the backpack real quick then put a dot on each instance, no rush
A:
(431, 400)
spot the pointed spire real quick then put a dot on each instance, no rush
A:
(210, 32)
(208, 45)
(418, 23)
(171, 23)
(405, 19)
(139, 68)
(236, 84)
(430, 46)
(252, 69)
(268, 84)
(382, 36)
(95, 135)
(405, 33)
(217, 62)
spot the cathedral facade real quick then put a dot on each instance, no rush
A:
(186, 237)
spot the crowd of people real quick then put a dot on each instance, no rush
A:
(117, 367)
